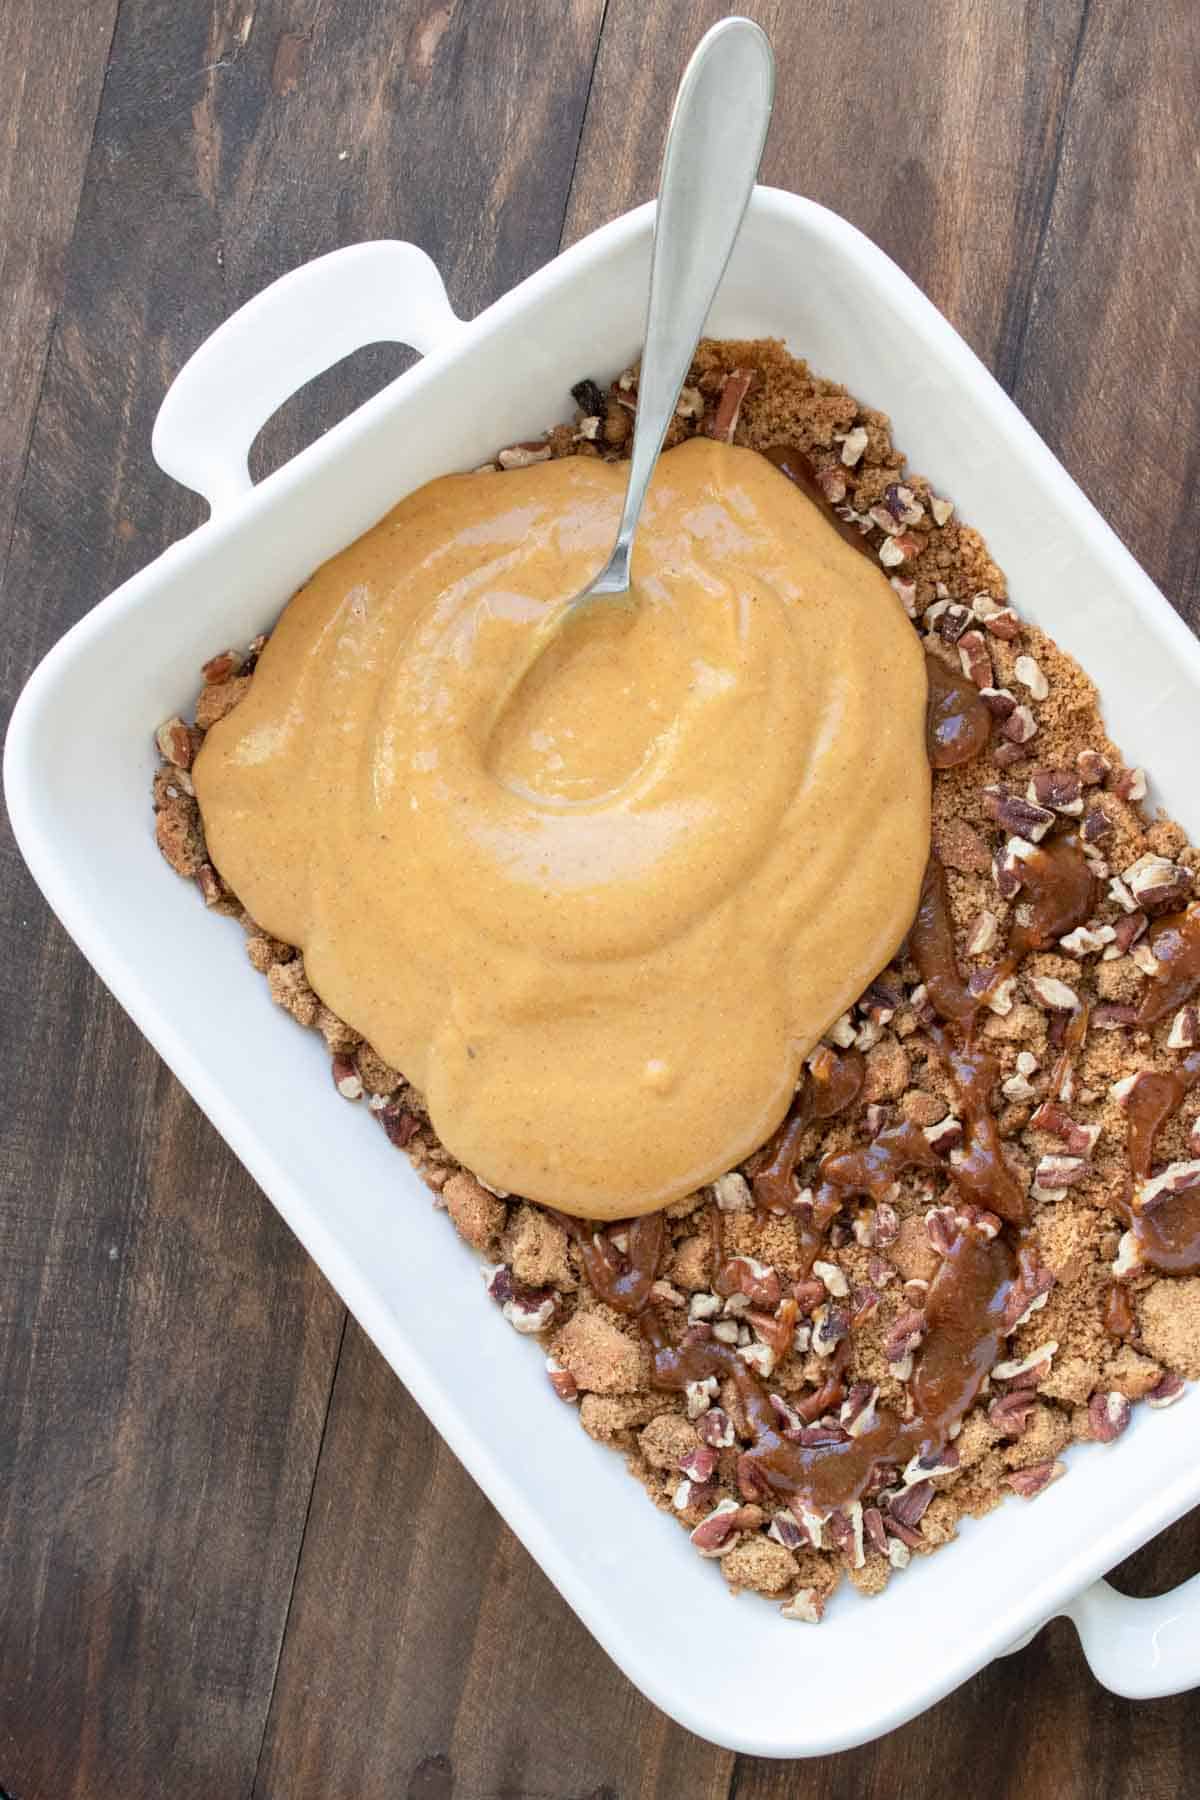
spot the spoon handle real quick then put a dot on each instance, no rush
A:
(714, 145)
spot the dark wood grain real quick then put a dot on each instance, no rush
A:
(1109, 370)
(166, 1351)
(937, 135)
(52, 68)
(465, 1661)
(225, 1568)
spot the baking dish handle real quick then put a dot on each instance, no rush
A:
(382, 292)
(1142, 1649)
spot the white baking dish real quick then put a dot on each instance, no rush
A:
(733, 1671)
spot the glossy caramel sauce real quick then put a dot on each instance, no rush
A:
(698, 822)
(1175, 941)
(1167, 1227)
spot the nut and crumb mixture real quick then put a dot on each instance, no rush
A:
(1099, 1331)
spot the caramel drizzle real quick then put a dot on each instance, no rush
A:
(1167, 1228)
(965, 1323)
(968, 1306)
(970, 1302)
(832, 1084)
(622, 1279)
(1058, 893)
(957, 723)
(1175, 941)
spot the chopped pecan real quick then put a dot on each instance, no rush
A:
(948, 620)
(218, 699)
(1031, 1481)
(1092, 767)
(1000, 702)
(832, 1278)
(1060, 789)
(1029, 673)
(905, 1336)
(1086, 940)
(1052, 993)
(853, 445)
(346, 1078)
(528, 1310)
(887, 1225)
(874, 1530)
(220, 667)
(896, 550)
(858, 1415)
(1010, 1413)
(522, 456)
(1016, 814)
(973, 655)
(176, 743)
(1027, 1371)
(716, 1428)
(1020, 726)
(1126, 932)
(942, 1226)
(1108, 1416)
(864, 1304)
(699, 1464)
(806, 1605)
(1185, 1029)
(717, 1535)
(732, 1193)
(755, 1281)
(1156, 881)
(400, 1124)
(910, 1505)
(1176, 1178)
(734, 389)
(562, 1380)
(1001, 621)
(787, 1530)
(830, 1325)
(983, 935)
(808, 1294)
(1130, 784)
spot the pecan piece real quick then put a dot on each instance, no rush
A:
(910, 1505)
(1108, 1416)
(1015, 814)
(346, 1078)
(176, 743)
(1036, 1478)
(1010, 1413)
(734, 389)
(906, 1335)
(1061, 789)
(973, 655)
(562, 1380)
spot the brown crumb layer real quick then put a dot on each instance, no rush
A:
(1066, 1375)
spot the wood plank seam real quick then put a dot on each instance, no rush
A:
(1008, 370)
(299, 1552)
(583, 118)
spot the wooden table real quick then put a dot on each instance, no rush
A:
(234, 1558)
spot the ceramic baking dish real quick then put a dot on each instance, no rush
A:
(732, 1670)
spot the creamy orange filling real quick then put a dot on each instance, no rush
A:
(598, 926)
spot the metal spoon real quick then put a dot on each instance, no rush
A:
(714, 146)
